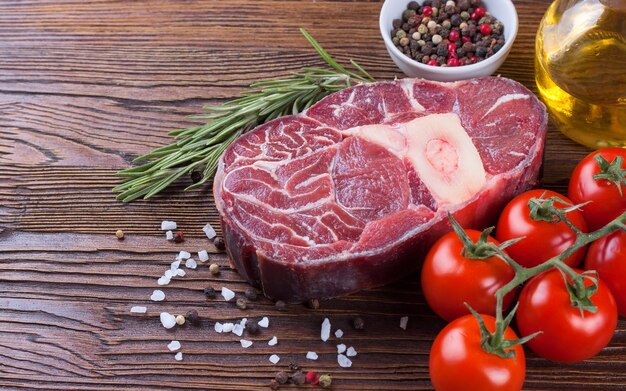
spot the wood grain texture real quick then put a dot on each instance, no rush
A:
(86, 86)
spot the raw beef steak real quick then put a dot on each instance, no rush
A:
(349, 194)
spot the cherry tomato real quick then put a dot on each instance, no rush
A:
(449, 279)
(542, 239)
(566, 336)
(606, 201)
(608, 257)
(458, 362)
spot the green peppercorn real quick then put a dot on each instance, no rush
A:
(421, 42)
(242, 303)
(325, 381)
(401, 34)
(422, 29)
(437, 39)
(407, 14)
(465, 15)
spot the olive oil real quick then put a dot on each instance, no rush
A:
(580, 69)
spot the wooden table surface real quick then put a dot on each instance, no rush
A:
(86, 86)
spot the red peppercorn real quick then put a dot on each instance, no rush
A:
(485, 29)
(454, 36)
(453, 62)
(479, 12)
(312, 377)
(451, 48)
(466, 39)
(432, 62)
(473, 59)
(427, 11)
(179, 237)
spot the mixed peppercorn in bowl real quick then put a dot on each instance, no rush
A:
(448, 40)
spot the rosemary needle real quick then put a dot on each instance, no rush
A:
(199, 148)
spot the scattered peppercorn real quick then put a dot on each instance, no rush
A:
(214, 269)
(312, 377)
(219, 243)
(274, 384)
(193, 317)
(423, 32)
(179, 237)
(210, 292)
(250, 294)
(293, 366)
(313, 304)
(325, 381)
(180, 320)
(196, 176)
(298, 378)
(252, 328)
(242, 304)
(358, 323)
(280, 305)
(119, 234)
(282, 377)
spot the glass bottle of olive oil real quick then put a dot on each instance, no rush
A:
(581, 69)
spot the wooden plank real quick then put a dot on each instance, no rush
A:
(85, 87)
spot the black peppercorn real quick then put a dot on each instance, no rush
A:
(468, 47)
(456, 20)
(481, 51)
(397, 23)
(274, 384)
(280, 305)
(496, 48)
(407, 14)
(196, 176)
(445, 33)
(219, 244)
(281, 377)
(463, 5)
(413, 5)
(460, 52)
(209, 291)
(358, 323)
(442, 49)
(193, 318)
(252, 328)
(427, 3)
(298, 378)
(313, 304)
(293, 366)
(250, 294)
(427, 49)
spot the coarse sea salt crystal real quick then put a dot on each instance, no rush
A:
(138, 310)
(169, 273)
(209, 231)
(264, 322)
(178, 356)
(203, 256)
(243, 322)
(175, 265)
(169, 235)
(227, 294)
(339, 333)
(245, 343)
(183, 255)
(325, 334)
(181, 273)
(157, 295)
(174, 345)
(191, 263)
(164, 280)
(272, 341)
(403, 322)
(311, 356)
(344, 361)
(219, 327)
(168, 320)
(351, 352)
(341, 348)
(228, 327)
(238, 330)
(274, 359)
(168, 225)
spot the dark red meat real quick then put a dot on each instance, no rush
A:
(348, 195)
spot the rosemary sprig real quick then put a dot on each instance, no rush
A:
(199, 148)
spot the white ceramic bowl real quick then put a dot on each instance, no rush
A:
(503, 10)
